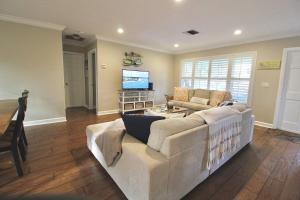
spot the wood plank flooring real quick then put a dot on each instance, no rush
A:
(59, 162)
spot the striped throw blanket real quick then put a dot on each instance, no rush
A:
(224, 132)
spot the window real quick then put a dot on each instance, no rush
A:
(230, 72)
(187, 74)
(201, 74)
(240, 78)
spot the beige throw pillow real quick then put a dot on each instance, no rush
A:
(216, 97)
(181, 94)
(199, 100)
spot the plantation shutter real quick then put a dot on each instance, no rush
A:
(240, 78)
(201, 74)
(218, 75)
(187, 74)
(229, 72)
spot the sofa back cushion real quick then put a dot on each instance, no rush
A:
(181, 94)
(202, 93)
(164, 128)
(199, 100)
(216, 97)
(138, 126)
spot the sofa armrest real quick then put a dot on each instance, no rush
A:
(178, 143)
(141, 171)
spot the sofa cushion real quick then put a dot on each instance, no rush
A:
(228, 96)
(216, 97)
(191, 94)
(202, 93)
(175, 103)
(138, 126)
(199, 100)
(195, 106)
(181, 94)
(164, 128)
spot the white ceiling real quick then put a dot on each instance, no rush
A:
(159, 24)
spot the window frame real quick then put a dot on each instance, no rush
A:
(230, 58)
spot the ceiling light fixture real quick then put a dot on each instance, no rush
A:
(176, 45)
(120, 30)
(237, 32)
(178, 1)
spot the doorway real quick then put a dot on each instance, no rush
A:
(287, 116)
(74, 79)
(92, 79)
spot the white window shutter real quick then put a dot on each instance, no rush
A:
(219, 68)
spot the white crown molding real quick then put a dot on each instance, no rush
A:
(107, 112)
(22, 20)
(132, 44)
(262, 39)
(263, 124)
(45, 121)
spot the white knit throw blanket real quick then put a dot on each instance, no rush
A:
(224, 132)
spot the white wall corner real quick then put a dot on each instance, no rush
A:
(31, 22)
(108, 112)
(263, 124)
(45, 121)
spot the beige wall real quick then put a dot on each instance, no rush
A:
(31, 58)
(111, 54)
(263, 99)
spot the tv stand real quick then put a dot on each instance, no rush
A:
(134, 100)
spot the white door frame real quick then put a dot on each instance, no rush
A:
(282, 87)
(82, 55)
(90, 78)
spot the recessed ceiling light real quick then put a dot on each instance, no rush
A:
(178, 1)
(237, 32)
(176, 45)
(120, 30)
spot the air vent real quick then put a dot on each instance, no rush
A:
(191, 32)
(74, 37)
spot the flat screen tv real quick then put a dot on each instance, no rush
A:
(135, 80)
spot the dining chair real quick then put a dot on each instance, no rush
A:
(25, 96)
(13, 122)
(11, 140)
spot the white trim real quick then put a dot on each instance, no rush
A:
(263, 124)
(31, 22)
(236, 43)
(108, 112)
(90, 76)
(132, 44)
(282, 86)
(45, 121)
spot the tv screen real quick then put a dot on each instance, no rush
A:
(135, 80)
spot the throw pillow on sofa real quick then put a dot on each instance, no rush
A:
(138, 126)
(199, 100)
(216, 97)
(181, 94)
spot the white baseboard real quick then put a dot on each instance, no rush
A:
(45, 121)
(263, 124)
(108, 112)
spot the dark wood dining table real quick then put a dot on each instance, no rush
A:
(8, 109)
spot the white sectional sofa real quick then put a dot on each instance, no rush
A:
(143, 173)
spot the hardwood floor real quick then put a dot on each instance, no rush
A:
(59, 162)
